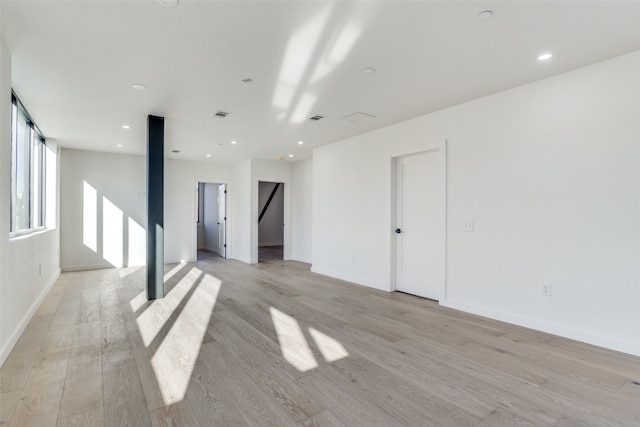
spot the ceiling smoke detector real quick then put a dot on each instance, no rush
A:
(316, 117)
(221, 114)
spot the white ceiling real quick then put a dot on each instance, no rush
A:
(74, 63)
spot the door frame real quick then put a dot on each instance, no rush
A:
(439, 147)
(194, 225)
(286, 235)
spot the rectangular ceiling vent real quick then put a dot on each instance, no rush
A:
(221, 114)
(359, 117)
(316, 117)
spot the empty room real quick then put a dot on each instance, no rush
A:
(319, 213)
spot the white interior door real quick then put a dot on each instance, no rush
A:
(222, 220)
(417, 221)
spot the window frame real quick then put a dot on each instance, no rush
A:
(35, 151)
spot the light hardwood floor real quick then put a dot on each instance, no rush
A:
(275, 345)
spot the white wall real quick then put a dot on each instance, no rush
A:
(301, 197)
(211, 233)
(242, 218)
(126, 190)
(550, 175)
(82, 212)
(271, 228)
(29, 264)
(179, 216)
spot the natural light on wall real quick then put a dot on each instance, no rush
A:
(112, 233)
(90, 217)
(173, 329)
(137, 244)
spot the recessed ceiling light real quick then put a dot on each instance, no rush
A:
(175, 151)
(290, 155)
(485, 14)
(545, 56)
(169, 3)
(300, 142)
(138, 86)
(208, 155)
(126, 127)
(369, 70)
(119, 145)
(234, 142)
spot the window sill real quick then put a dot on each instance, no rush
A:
(25, 234)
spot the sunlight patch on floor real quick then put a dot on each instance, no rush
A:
(330, 348)
(176, 355)
(295, 348)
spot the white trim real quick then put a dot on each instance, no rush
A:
(351, 279)
(25, 234)
(241, 259)
(441, 148)
(548, 327)
(212, 250)
(67, 268)
(301, 259)
(15, 336)
(228, 208)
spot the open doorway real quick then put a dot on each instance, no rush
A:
(211, 220)
(270, 221)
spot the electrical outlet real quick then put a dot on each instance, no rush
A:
(468, 226)
(546, 290)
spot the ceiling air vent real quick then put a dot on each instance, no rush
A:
(316, 117)
(359, 117)
(221, 114)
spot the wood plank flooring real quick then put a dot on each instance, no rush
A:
(275, 345)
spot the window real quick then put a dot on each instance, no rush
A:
(27, 171)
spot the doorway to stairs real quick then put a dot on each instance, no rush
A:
(271, 203)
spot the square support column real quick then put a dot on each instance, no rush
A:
(155, 207)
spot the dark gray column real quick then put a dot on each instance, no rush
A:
(155, 207)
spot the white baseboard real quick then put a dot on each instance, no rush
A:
(15, 336)
(548, 327)
(352, 279)
(301, 259)
(212, 250)
(241, 259)
(68, 268)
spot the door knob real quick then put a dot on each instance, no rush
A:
(398, 231)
